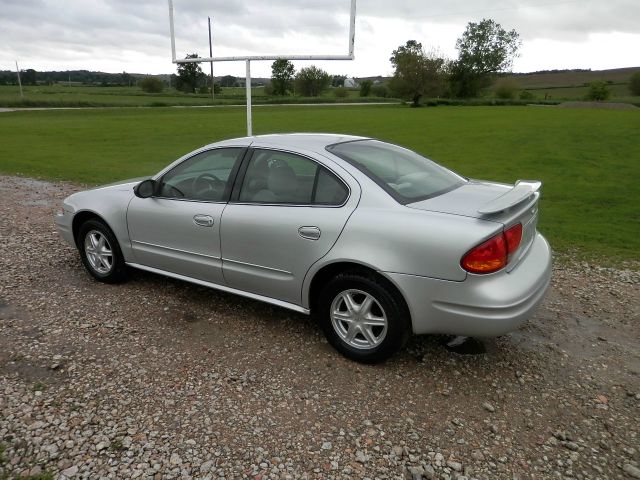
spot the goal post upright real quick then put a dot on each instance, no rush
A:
(248, 89)
(248, 58)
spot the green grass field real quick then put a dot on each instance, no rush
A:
(545, 87)
(619, 93)
(61, 95)
(571, 86)
(589, 160)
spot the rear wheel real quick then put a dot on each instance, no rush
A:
(100, 252)
(363, 318)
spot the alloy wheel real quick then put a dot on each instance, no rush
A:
(98, 251)
(358, 319)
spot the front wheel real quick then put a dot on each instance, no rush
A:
(100, 252)
(363, 318)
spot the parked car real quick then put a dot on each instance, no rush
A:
(375, 240)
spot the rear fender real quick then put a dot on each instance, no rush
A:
(407, 241)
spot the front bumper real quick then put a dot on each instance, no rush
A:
(63, 222)
(482, 305)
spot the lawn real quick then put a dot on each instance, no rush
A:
(589, 160)
(618, 92)
(61, 95)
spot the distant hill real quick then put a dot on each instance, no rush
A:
(86, 77)
(571, 78)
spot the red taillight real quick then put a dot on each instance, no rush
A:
(492, 255)
(487, 257)
(513, 237)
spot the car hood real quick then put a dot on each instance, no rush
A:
(465, 200)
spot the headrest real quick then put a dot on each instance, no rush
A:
(282, 180)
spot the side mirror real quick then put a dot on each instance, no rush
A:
(145, 189)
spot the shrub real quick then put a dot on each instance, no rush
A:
(526, 95)
(598, 91)
(341, 92)
(365, 88)
(380, 90)
(203, 90)
(506, 89)
(151, 85)
(634, 84)
(312, 81)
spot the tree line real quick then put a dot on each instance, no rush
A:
(86, 77)
(484, 50)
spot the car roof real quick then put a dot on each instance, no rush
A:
(307, 141)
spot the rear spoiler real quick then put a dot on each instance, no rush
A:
(522, 190)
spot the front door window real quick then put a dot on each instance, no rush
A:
(203, 177)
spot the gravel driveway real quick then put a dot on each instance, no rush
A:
(156, 378)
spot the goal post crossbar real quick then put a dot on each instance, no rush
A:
(349, 56)
(248, 59)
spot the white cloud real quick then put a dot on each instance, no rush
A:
(120, 35)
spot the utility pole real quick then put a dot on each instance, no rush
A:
(19, 82)
(211, 63)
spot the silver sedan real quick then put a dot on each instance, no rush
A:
(376, 241)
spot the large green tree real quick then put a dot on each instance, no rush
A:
(338, 80)
(28, 76)
(282, 72)
(188, 75)
(312, 81)
(417, 73)
(484, 49)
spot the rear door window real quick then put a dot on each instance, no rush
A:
(276, 177)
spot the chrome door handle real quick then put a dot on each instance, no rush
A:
(203, 220)
(310, 233)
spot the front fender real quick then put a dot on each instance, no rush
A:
(110, 204)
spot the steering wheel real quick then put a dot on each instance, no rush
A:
(171, 191)
(207, 183)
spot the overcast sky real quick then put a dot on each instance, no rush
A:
(133, 36)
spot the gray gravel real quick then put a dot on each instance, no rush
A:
(156, 378)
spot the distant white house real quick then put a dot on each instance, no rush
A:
(350, 83)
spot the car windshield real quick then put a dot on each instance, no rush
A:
(405, 175)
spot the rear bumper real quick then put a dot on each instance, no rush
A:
(481, 305)
(63, 222)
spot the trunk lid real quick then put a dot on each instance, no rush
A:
(494, 202)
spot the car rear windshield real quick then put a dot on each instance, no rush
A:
(405, 175)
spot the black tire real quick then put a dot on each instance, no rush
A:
(117, 271)
(389, 304)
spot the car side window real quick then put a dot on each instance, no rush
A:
(203, 177)
(275, 177)
(329, 190)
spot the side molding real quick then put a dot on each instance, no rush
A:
(215, 286)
